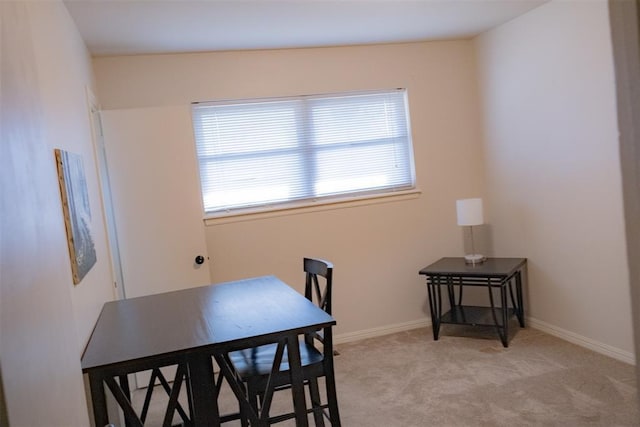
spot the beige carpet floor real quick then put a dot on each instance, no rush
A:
(467, 378)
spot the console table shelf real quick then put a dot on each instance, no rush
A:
(503, 274)
(474, 315)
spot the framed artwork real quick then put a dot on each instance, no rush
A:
(77, 213)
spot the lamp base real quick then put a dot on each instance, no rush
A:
(474, 259)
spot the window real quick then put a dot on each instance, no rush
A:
(274, 152)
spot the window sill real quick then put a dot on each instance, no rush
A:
(324, 205)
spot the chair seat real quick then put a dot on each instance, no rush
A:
(259, 360)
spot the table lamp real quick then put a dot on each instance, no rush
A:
(470, 214)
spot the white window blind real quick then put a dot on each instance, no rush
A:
(261, 152)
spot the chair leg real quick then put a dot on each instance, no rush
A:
(332, 398)
(254, 401)
(244, 416)
(316, 404)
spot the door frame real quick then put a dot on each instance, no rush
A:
(105, 195)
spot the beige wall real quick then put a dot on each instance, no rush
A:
(44, 320)
(553, 172)
(550, 154)
(377, 249)
(550, 145)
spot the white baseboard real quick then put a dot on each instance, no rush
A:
(382, 330)
(598, 347)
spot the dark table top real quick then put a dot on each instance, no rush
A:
(219, 316)
(492, 267)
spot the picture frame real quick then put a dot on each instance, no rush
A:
(77, 213)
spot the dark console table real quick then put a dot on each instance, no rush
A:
(503, 274)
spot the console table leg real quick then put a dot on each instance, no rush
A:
(452, 296)
(500, 328)
(520, 310)
(433, 307)
(438, 308)
(460, 289)
(505, 317)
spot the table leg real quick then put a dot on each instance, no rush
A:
(505, 316)
(433, 307)
(520, 310)
(460, 289)
(514, 303)
(501, 329)
(124, 385)
(203, 390)
(452, 296)
(98, 399)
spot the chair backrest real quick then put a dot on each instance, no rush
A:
(317, 290)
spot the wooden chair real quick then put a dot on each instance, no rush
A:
(254, 365)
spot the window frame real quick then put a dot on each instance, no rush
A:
(317, 202)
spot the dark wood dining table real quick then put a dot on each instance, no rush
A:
(191, 327)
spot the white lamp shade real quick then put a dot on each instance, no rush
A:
(469, 211)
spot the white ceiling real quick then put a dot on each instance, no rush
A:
(120, 27)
